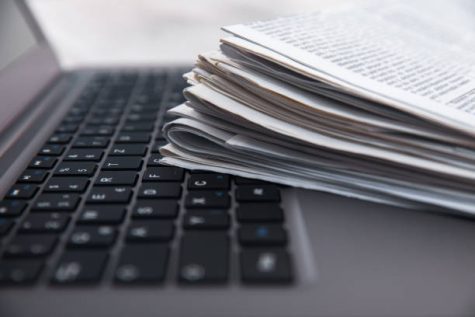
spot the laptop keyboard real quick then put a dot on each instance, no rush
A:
(96, 206)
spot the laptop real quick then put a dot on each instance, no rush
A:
(91, 224)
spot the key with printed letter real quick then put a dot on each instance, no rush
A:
(12, 208)
(133, 137)
(148, 208)
(206, 219)
(128, 150)
(115, 163)
(22, 191)
(163, 173)
(52, 150)
(80, 267)
(115, 194)
(56, 202)
(15, 271)
(93, 155)
(142, 263)
(109, 178)
(266, 266)
(207, 199)
(262, 234)
(204, 258)
(160, 190)
(31, 245)
(257, 193)
(150, 230)
(208, 181)
(102, 214)
(33, 176)
(66, 184)
(92, 236)
(91, 142)
(44, 222)
(44, 162)
(75, 169)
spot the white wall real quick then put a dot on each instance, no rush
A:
(104, 32)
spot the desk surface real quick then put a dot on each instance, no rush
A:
(110, 32)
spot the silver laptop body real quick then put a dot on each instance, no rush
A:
(349, 257)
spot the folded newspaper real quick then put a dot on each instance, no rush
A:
(375, 102)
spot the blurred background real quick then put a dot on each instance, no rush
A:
(138, 32)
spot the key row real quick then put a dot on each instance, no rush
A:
(203, 259)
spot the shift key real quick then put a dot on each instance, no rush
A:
(204, 258)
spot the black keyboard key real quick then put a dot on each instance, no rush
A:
(98, 131)
(249, 181)
(164, 173)
(163, 208)
(193, 172)
(259, 212)
(60, 138)
(66, 184)
(108, 111)
(133, 137)
(114, 178)
(112, 120)
(22, 191)
(102, 214)
(11, 208)
(43, 162)
(52, 150)
(134, 117)
(142, 263)
(91, 142)
(208, 181)
(92, 237)
(110, 195)
(80, 266)
(206, 219)
(266, 266)
(138, 127)
(19, 271)
(128, 150)
(161, 190)
(262, 235)
(138, 107)
(44, 223)
(154, 160)
(75, 169)
(133, 163)
(93, 155)
(67, 128)
(33, 176)
(207, 199)
(150, 230)
(5, 226)
(31, 245)
(258, 193)
(56, 202)
(204, 258)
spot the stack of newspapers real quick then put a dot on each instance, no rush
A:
(375, 102)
